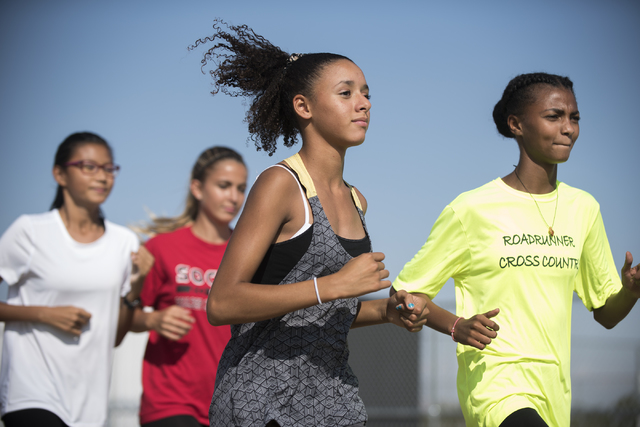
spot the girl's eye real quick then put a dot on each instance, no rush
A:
(345, 93)
(368, 96)
(242, 189)
(89, 167)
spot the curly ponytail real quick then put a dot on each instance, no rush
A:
(519, 93)
(248, 65)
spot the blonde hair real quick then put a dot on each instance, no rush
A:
(206, 161)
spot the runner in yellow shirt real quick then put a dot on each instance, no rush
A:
(520, 246)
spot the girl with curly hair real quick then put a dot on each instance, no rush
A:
(300, 254)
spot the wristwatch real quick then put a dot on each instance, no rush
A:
(131, 304)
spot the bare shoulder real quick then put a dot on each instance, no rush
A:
(273, 193)
(277, 183)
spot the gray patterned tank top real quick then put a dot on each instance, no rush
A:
(294, 369)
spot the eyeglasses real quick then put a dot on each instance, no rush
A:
(91, 168)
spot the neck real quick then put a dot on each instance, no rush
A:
(324, 163)
(532, 177)
(83, 224)
(210, 231)
(79, 217)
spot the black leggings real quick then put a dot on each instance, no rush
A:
(526, 417)
(32, 417)
(175, 421)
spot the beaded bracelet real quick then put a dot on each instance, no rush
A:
(453, 328)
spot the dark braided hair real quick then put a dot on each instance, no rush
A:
(521, 92)
(247, 65)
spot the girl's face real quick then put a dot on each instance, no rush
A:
(221, 194)
(339, 106)
(89, 189)
(548, 127)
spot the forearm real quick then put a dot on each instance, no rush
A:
(615, 309)
(140, 321)
(250, 302)
(371, 313)
(125, 318)
(440, 319)
(22, 313)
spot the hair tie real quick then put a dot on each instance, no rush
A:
(293, 58)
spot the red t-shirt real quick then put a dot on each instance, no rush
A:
(178, 377)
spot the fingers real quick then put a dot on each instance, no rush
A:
(180, 313)
(170, 335)
(174, 331)
(175, 322)
(141, 262)
(69, 319)
(628, 262)
(384, 284)
(411, 305)
(487, 322)
(377, 256)
(410, 309)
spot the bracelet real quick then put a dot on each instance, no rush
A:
(315, 285)
(453, 328)
(131, 304)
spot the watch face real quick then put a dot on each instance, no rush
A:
(131, 304)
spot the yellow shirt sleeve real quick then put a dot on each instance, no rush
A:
(445, 254)
(598, 278)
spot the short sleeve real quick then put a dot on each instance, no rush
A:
(155, 278)
(445, 254)
(598, 277)
(16, 249)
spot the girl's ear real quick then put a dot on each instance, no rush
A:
(515, 124)
(302, 106)
(196, 189)
(60, 175)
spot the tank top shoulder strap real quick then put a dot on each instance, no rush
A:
(295, 163)
(354, 196)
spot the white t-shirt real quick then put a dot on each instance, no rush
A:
(43, 367)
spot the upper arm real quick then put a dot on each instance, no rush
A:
(156, 276)
(597, 277)
(16, 249)
(445, 254)
(273, 208)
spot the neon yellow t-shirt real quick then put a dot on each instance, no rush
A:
(495, 244)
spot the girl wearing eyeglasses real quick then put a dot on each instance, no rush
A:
(180, 363)
(74, 279)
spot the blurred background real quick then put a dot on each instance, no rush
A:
(435, 69)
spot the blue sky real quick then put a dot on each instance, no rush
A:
(435, 69)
